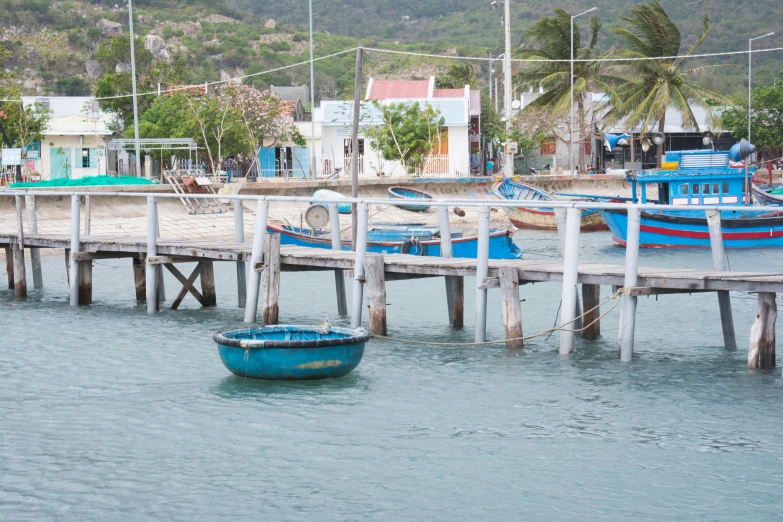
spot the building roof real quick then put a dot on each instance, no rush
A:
(340, 113)
(63, 105)
(449, 93)
(395, 90)
(291, 93)
(77, 125)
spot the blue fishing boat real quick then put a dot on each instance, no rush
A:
(410, 193)
(288, 352)
(540, 217)
(698, 177)
(410, 238)
(342, 208)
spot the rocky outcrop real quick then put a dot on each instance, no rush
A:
(153, 42)
(93, 69)
(109, 28)
(270, 24)
(124, 67)
(162, 54)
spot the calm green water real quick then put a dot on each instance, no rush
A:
(108, 414)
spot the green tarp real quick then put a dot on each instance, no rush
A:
(89, 181)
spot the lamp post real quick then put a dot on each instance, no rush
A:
(133, 90)
(507, 84)
(312, 100)
(750, 82)
(571, 161)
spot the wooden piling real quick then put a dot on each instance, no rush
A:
(151, 270)
(68, 267)
(512, 309)
(272, 279)
(761, 352)
(570, 296)
(239, 237)
(139, 279)
(719, 264)
(257, 255)
(455, 286)
(482, 271)
(591, 297)
(337, 244)
(160, 280)
(35, 253)
(628, 316)
(85, 282)
(17, 249)
(358, 269)
(73, 266)
(375, 281)
(9, 266)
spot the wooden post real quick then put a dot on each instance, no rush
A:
(591, 297)
(161, 281)
(139, 279)
(337, 244)
(239, 237)
(357, 100)
(208, 283)
(35, 253)
(9, 266)
(254, 281)
(455, 287)
(150, 270)
(570, 296)
(719, 264)
(20, 277)
(482, 271)
(512, 309)
(272, 279)
(358, 267)
(375, 278)
(73, 269)
(761, 352)
(628, 314)
(68, 267)
(85, 283)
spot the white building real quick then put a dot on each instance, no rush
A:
(74, 143)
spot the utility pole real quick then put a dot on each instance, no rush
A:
(133, 86)
(507, 85)
(357, 102)
(312, 100)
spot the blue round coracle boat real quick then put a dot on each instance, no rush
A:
(411, 193)
(288, 352)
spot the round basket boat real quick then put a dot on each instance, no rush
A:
(288, 352)
(412, 194)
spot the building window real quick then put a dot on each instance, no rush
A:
(89, 158)
(685, 189)
(705, 189)
(548, 147)
(725, 188)
(716, 188)
(695, 189)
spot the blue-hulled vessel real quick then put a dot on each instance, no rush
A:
(410, 193)
(287, 352)
(698, 177)
(408, 238)
(342, 208)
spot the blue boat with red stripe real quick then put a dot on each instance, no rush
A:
(699, 177)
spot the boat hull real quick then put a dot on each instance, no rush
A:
(501, 245)
(545, 219)
(411, 194)
(342, 208)
(674, 231)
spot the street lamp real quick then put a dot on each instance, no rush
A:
(312, 101)
(571, 161)
(133, 87)
(750, 71)
(507, 85)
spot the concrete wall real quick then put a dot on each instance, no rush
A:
(74, 143)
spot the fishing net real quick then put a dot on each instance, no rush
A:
(88, 181)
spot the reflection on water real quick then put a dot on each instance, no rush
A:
(110, 414)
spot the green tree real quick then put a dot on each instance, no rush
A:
(657, 84)
(457, 77)
(767, 119)
(550, 39)
(409, 132)
(23, 126)
(72, 86)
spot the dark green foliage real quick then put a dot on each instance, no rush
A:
(72, 86)
(767, 120)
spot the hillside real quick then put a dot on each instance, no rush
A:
(59, 48)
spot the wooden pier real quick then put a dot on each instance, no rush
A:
(370, 273)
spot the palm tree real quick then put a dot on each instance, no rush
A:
(549, 40)
(657, 84)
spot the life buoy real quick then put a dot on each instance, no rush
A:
(412, 242)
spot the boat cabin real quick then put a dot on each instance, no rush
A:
(693, 177)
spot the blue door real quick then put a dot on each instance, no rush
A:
(266, 162)
(301, 167)
(60, 162)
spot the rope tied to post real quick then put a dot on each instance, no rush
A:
(614, 297)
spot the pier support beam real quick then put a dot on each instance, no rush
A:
(20, 276)
(591, 297)
(139, 279)
(9, 266)
(158, 267)
(482, 271)
(455, 285)
(761, 352)
(628, 314)
(151, 271)
(208, 283)
(254, 281)
(73, 266)
(337, 244)
(375, 279)
(358, 269)
(512, 308)
(570, 296)
(560, 219)
(271, 279)
(85, 282)
(719, 264)
(35, 253)
(239, 237)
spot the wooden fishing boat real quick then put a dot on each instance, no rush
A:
(409, 238)
(342, 208)
(410, 193)
(540, 217)
(287, 352)
(703, 177)
(765, 197)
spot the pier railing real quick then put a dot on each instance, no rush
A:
(568, 215)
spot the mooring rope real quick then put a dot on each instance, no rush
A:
(560, 328)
